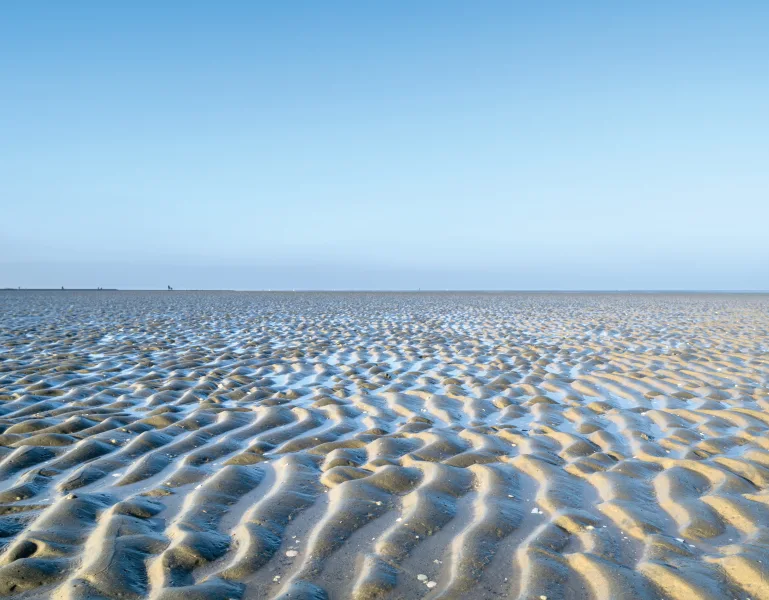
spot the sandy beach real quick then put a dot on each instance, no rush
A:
(213, 445)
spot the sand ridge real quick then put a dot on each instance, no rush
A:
(353, 445)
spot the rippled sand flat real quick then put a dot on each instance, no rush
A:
(245, 445)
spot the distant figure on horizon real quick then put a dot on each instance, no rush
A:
(170, 288)
(62, 287)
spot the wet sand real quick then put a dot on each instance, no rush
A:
(287, 445)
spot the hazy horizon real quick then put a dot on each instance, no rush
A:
(283, 278)
(397, 146)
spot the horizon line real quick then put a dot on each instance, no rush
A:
(403, 290)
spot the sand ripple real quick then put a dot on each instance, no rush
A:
(310, 446)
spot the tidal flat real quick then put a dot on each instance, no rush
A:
(243, 445)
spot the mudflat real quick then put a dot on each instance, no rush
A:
(214, 445)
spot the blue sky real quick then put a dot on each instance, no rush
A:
(385, 145)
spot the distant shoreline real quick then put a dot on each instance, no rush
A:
(374, 291)
(66, 290)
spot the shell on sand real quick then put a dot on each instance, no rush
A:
(351, 445)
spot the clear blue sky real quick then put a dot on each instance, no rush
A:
(495, 145)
